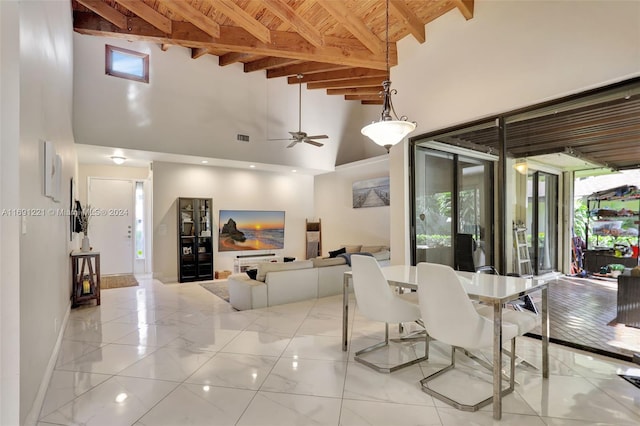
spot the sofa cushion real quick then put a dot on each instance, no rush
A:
(371, 249)
(352, 248)
(319, 262)
(334, 253)
(382, 255)
(265, 267)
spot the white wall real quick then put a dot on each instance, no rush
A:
(95, 170)
(40, 49)
(9, 226)
(195, 107)
(511, 54)
(230, 189)
(341, 223)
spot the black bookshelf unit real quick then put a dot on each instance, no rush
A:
(195, 247)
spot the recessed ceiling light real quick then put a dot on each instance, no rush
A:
(204, 161)
(293, 171)
(252, 166)
(118, 160)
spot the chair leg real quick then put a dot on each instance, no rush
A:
(519, 360)
(389, 369)
(459, 405)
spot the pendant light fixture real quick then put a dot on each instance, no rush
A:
(388, 132)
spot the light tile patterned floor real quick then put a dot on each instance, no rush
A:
(176, 354)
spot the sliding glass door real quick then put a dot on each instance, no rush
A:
(542, 220)
(453, 209)
(433, 220)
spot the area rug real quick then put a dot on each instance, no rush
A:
(117, 281)
(219, 288)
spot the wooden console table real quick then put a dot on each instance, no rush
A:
(85, 276)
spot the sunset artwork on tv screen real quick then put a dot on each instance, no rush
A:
(251, 230)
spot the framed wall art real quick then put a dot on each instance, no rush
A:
(371, 193)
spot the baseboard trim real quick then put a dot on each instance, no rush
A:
(34, 414)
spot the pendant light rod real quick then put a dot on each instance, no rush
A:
(299, 76)
(388, 132)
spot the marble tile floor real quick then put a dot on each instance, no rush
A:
(175, 354)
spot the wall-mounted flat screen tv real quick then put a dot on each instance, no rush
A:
(250, 230)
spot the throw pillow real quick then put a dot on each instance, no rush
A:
(335, 253)
(253, 273)
(352, 249)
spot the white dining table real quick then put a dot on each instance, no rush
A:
(495, 290)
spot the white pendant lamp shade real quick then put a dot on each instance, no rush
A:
(388, 133)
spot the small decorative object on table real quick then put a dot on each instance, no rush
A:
(83, 215)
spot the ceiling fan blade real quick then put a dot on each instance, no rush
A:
(314, 143)
(318, 137)
(292, 144)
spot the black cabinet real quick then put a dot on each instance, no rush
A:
(195, 248)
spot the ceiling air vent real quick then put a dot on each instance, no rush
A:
(243, 138)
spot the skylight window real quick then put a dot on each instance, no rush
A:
(125, 63)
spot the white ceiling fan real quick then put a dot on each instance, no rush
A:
(300, 136)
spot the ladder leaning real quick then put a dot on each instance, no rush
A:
(523, 261)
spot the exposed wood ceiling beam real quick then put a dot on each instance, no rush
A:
(232, 58)
(288, 15)
(192, 14)
(335, 84)
(350, 73)
(266, 63)
(415, 27)
(353, 24)
(148, 13)
(198, 52)
(436, 10)
(465, 7)
(362, 97)
(339, 51)
(242, 19)
(380, 102)
(105, 11)
(304, 69)
(368, 90)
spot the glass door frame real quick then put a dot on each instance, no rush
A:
(535, 222)
(456, 153)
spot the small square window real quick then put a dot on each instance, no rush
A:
(125, 63)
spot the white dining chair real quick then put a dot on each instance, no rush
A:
(377, 301)
(450, 317)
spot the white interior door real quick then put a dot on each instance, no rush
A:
(111, 228)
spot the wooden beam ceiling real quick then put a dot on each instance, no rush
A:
(282, 38)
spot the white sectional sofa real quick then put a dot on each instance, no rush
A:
(278, 283)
